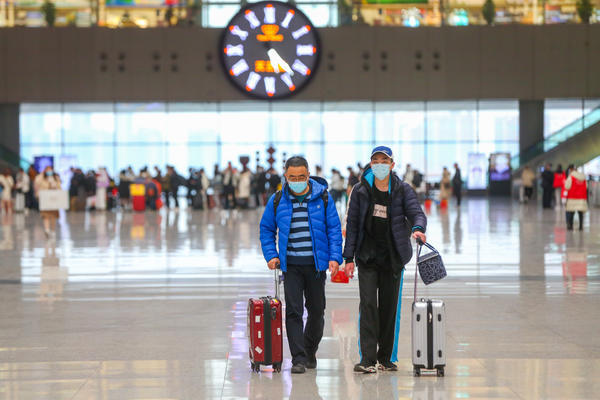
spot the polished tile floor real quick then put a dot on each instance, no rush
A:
(153, 306)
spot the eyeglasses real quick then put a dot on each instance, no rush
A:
(299, 178)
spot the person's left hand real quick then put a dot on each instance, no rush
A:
(333, 267)
(419, 235)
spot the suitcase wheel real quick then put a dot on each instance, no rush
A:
(417, 371)
(440, 371)
(277, 367)
(255, 367)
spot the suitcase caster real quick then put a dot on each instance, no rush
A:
(417, 372)
(440, 372)
(277, 367)
(255, 367)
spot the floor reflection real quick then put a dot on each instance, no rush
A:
(153, 305)
(52, 277)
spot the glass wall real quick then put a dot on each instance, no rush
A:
(415, 13)
(147, 13)
(216, 13)
(427, 135)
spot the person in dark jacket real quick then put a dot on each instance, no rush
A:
(300, 231)
(382, 213)
(274, 180)
(547, 186)
(260, 186)
(457, 184)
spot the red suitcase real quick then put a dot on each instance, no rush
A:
(265, 330)
(139, 203)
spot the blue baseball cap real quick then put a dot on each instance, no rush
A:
(383, 150)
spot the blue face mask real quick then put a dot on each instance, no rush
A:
(381, 171)
(49, 173)
(298, 187)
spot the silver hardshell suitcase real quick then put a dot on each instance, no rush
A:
(428, 334)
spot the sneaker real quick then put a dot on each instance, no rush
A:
(387, 366)
(365, 369)
(312, 362)
(298, 368)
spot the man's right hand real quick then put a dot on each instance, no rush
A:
(349, 270)
(274, 263)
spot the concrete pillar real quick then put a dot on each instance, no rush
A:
(531, 123)
(9, 127)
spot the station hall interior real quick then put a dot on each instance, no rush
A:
(152, 160)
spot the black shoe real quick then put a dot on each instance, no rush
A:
(365, 369)
(387, 366)
(312, 362)
(298, 368)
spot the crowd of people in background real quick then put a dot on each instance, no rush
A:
(227, 188)
(239, 187)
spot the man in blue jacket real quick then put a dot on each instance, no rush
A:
(310, 242)
(382, 214)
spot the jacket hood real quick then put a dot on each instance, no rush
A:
(318, 186)
(578, 175)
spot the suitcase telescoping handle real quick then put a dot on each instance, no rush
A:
(419, 245)
(277, 280)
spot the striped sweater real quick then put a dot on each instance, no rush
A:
(300, 250)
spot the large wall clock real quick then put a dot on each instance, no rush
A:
(270, 50)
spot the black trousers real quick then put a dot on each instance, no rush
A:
(304, 286)
(571, 219)
(547, 197)
(457, 190)
(229, 193)
(168, 196)
(379, 294)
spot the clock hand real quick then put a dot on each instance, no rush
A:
(273, 59)
(279, 62)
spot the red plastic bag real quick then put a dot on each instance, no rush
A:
(340, 277)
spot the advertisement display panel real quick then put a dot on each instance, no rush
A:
(500, 167)
(41, 162)
(476, 174)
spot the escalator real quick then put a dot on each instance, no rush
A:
(9, 158)
(577, 143)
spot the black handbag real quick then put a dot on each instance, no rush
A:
(431, 267)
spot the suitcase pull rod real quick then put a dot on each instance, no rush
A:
(278, 280)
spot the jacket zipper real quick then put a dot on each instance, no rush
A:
(312, 238)
(288, 235)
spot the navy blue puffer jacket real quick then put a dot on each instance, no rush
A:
(404, 211)
(325, 227)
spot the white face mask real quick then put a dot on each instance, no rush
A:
(381, 171)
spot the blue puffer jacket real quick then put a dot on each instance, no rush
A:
(325, 227)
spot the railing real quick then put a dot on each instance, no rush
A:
(10, 157)
(558, 137)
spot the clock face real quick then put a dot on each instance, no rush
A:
(270, 50)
